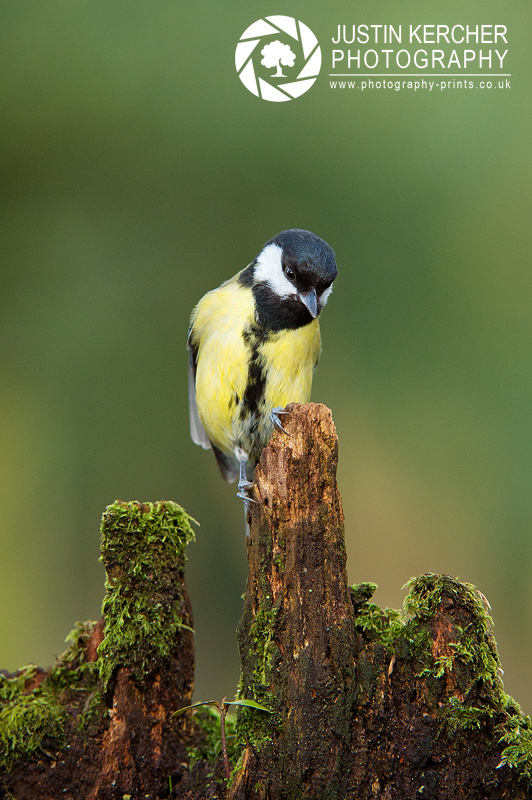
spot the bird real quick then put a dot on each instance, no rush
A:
(253, 344)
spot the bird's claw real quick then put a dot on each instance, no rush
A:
(274, 417)
(247, 500)
(243, 488)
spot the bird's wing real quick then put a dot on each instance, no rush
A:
(197, 431)
(229, 466)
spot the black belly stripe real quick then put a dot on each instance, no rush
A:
(256, 379)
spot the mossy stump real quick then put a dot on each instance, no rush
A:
(98, 725)
(367, 703)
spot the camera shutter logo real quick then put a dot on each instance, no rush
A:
(280, 36)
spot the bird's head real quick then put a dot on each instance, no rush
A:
(292, 279)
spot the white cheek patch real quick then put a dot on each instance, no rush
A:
(269, 269)
(324, 296)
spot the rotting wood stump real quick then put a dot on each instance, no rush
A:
(298, 622)
(98, 725)
(367, 702)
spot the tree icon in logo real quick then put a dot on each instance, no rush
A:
(272, 34)
(275, 54)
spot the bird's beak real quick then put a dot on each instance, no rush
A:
(310, 300)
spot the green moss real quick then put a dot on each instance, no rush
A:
(360, 593)
(475, 646)
(385, 625)
(11, 686)
(26, 721)
(473, 660)
(76, 680)
(143, 550)
(517, 735)
(255, 728)
(262, 632)
(36, 708)
(90, 715)
(425, 596)
(143, 547)
(458, 717)
(71, 670)
(377, 623)
(263, 650)
(483, 694)
(279, 563)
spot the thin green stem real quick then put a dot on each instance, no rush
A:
(224, 707)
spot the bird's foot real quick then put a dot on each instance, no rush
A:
(274, 417)
(244, 487)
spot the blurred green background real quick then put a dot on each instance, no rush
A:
(138, 173)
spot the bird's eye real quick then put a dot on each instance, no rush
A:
(290, 274)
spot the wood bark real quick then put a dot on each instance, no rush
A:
(298, 619)
(356, 717)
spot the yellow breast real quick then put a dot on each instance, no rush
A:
(289, 358)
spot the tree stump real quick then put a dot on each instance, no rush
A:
(98, 724)
(366, 704)
(298, 619)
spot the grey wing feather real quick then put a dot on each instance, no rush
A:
(197, 431)
(228, 465)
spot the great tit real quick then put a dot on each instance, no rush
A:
(254, 343)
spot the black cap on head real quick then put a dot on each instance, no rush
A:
(310, 257)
